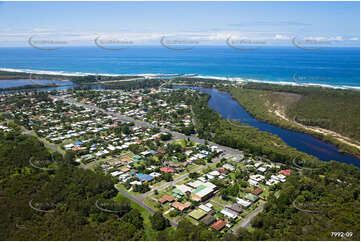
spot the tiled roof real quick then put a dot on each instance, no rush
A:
(219, 225)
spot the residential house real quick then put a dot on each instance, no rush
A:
(251, 197)
(167, 170)
(235, 207)
(203, 192)
(229, 213)
(228, 167)
(208, 219)
(219, 225)
(257, 191)
(243, 203)
(166, 198)
(144, 177)
(197, 214)
(181, 206)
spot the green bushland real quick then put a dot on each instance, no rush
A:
(312, 206)
(130, 85)
(331, 109)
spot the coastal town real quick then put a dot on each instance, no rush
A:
(146, 140)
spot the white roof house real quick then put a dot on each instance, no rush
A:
(262, 169)
(116, 173)
(205, 208)
(257, 177)
(195, 184)
(258, 164)
(210, 205)
(229, 213)
(252, 182)
(184, 188)
(155, 174)
(228, 167)
(214, 173)
(243, 203)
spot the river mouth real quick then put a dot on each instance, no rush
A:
(230, 109)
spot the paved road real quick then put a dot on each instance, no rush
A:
(247, 221)
(50, 146)
(142, 204)
(140, 199)
(139, 123)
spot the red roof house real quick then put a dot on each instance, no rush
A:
(167, 170)
(219, 225)
(286, 172)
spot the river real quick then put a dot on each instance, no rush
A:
(229, 108)
(61, 85)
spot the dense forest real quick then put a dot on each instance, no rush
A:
(331, 109)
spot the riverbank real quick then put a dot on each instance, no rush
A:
(275, 108)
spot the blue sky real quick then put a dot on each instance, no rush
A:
(79, 23)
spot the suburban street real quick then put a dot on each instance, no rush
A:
(139, 199)
(247, 221)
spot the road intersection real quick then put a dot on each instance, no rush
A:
(139, 199)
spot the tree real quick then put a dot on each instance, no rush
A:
(168, 177)
(135, 218)
(158, 221)
(165, 137)
(193, 175)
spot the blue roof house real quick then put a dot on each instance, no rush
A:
(144, 177)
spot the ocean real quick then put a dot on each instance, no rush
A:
(335, 67)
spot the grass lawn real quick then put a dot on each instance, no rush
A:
(180, 142)
(159, 184)
(180, 174)
(185, 180)
(153, 204)
(216, 207)
(122, 187)
(195, 168)
(218, 199)
(173, 218)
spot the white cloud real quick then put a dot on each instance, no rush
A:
(337, 38)
(318, 38)
(281, 37)
(203, 37)
(353, 39)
